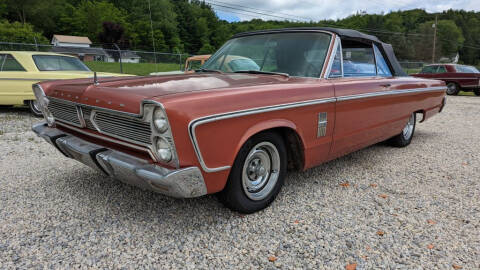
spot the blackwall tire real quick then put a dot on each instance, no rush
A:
(33, 105)
(452, 89)
(405, 137)
(257, 174)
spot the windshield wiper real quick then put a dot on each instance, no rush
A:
(208, 70)
(263, 72)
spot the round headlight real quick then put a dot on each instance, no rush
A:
(160, 120)
(163, 149)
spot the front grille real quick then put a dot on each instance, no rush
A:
(124, 127)
(111, 124)
(64, 112)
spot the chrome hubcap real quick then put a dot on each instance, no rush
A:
(260, 171)
(451, 88)
(408, 129)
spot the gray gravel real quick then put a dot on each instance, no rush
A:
(382, 207)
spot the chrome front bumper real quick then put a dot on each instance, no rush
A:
(181, 183)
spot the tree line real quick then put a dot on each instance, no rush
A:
(193, 27)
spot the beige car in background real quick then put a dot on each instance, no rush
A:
(19, 70)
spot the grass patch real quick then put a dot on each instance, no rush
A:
(462, 93)
(132, 68)
(412, 70)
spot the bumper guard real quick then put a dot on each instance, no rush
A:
(182, 183)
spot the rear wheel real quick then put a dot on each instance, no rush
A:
(33, 105)
(452, 89)
(257, 174)
(405, 137)
(477, 92)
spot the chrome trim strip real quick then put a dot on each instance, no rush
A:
(105, 109)
(216, 117)
(465, 78)
(332, 57)
(392, 92)
(110, 140)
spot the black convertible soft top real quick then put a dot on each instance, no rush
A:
(386, 48)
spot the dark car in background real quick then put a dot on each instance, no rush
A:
(457, 77)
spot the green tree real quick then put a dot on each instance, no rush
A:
(88, 17)
(20, 33)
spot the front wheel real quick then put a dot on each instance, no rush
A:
(257, 174)
(405, 137)
(33, 105)
(477, 92)
(452, 89)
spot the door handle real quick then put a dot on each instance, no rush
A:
(385, 85)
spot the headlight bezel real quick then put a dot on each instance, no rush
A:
(43, 101)
(158, 112)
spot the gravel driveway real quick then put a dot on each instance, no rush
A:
(381, 207)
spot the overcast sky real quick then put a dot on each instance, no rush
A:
(329, 9)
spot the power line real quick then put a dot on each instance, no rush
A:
(370, 30)
(249, 11)
(264, 10)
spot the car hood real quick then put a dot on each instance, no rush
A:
(127, 93)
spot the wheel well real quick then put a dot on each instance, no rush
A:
(458, 85)
(294, 145)
(423, 113)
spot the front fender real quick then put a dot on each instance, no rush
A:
(220, 141)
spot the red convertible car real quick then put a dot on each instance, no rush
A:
(457, 77)
(265, 102)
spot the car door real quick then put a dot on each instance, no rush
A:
(13, 85)
(362, 112)
(465, 77)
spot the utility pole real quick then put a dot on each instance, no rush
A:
(434, 38)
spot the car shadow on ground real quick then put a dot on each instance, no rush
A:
(91, 189)
(15, 110)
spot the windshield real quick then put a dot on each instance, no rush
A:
(296, 54)
(58, 63)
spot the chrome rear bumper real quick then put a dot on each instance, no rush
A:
(182, 183)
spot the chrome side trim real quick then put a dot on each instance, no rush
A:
(216, 117)
(464, 78)
(392, 92)
(145, 149)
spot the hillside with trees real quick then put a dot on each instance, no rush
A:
(193, 27)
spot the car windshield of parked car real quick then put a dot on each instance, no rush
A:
(296, 54)
(194, 64)
(58, 63)
(466, 69)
